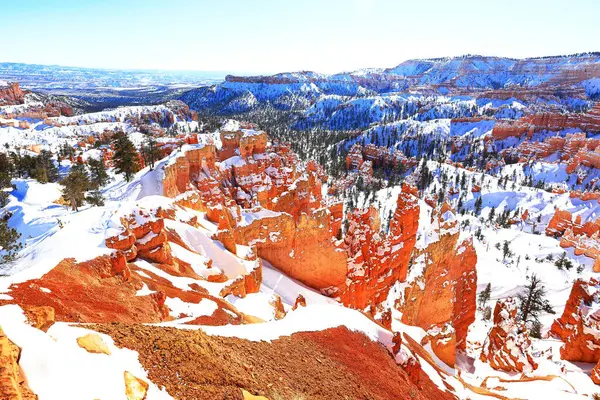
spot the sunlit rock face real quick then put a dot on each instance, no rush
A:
(508, 345)
(578, 326)
(442, 299)
(377, 260)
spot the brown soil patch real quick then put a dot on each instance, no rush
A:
(331, 364)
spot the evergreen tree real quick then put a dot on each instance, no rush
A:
(125, 157)
(9, 241)
(98, 175)
(492, 214)
(6, 170)
(506, 250)
(75, 185)
(44, 170)
(485, 295)
(563, 262)
(533, 301)
(95, 198)
(478, 205)
(150, 151)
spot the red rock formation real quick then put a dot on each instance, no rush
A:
(277, 304)
(578, 326)
(11, 94)
(245, 284)
(552, 122)
(245, 142)
(595, 375)
(445, 292)
(299, 233)
(90, 291)
(379, 156)
(377, 261)
(508, 344)
(583, 237)
(40, 317)
(12, 381)
(300, 302)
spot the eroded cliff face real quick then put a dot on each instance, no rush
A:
(578, 326)
(11, 94)
(508, 345)
(583, 237)
(264, 197)
(273, 204)
(442, 300)
(552, 122)
(12, 381)
(377, 261)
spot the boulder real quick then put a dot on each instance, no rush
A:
(12, 381)
(40, 317)
(300, 302)
(93, 343)
(135, 388)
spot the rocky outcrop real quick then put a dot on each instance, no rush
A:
(91, 291)
(595, 375)
(507, 347)
(93, 343)
(582, 237)
(245, 284)
(278, 309)
(551, 122)
(12, 381)
(375, 260)
(581, 294)
(300, 302)
(40, 317)
(11, 94)
(442, 299)
(378, 156)
(578, 327)
(262, 196)
(244, 142)
(135, 388)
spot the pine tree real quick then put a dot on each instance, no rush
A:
(150, 151)
(533, 301)
(478, 205)
(492, 214)
(6, 170)
(485, 295)
(9, 241)
(45, 170)
(125, 157)
(505, 250)
(95, 198)
(563, 262)
(98, 175)
(75, 185)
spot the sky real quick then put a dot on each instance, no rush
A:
(269, 36)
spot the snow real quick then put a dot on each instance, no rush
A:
(177, 306)
(305, 319)
(57, 368)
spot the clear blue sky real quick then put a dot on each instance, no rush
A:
(265, 36)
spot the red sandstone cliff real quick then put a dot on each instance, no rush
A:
(442, 299)
(508, 344)
(12, 94)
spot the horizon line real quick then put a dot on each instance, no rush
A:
(224, 73)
